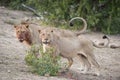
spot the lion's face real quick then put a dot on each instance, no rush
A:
(46, 36)
(22, 32)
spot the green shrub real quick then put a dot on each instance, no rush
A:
(45, 64)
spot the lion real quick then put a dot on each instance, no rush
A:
(70, 47)
(26, 33)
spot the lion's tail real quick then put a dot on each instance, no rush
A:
(103, 45)
(83, 29)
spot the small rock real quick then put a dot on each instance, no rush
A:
(8, 71)
(47, 75)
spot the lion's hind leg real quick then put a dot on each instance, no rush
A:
(85, 65)
(93, 62)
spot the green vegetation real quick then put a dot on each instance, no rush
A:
(43, 65)
(101, 15)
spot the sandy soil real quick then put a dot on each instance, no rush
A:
(12, 53)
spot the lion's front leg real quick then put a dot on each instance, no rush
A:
(44, 48)
(70, 62)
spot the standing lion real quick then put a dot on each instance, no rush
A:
(70, 47)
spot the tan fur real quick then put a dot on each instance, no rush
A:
(83, 30)
(27, 33)
(70, 47)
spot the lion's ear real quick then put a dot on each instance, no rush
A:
(39, 31)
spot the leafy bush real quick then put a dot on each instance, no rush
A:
(43, 65)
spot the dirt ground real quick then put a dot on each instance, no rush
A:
(12, 53)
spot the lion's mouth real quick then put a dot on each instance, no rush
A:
(21, 40)
(46, 42)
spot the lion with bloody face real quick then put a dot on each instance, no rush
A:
(27, 33)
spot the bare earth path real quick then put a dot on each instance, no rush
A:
(12, 53)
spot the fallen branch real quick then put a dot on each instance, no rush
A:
(31, 9)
